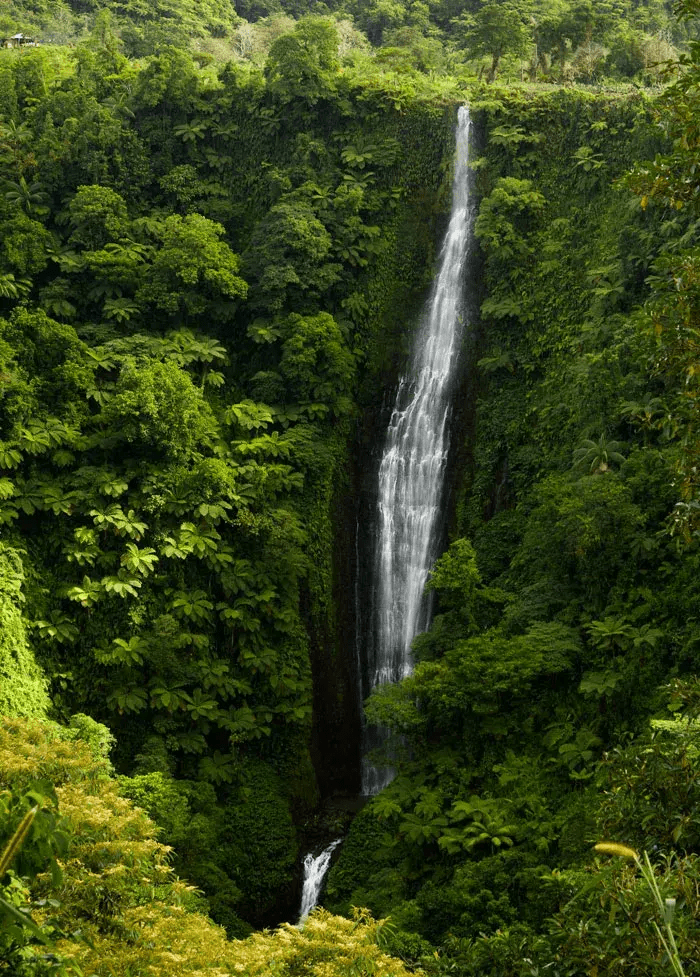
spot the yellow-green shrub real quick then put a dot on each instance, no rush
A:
(118, 888)
(327, 946)
(136, 918)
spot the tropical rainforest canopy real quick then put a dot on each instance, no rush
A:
(218, 225)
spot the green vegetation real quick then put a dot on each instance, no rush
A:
(536, 40)
(22, 684)
(187, 296)
(95, 864)
(211, 259)
(567, 598)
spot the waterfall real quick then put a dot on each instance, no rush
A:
(411, 472)
(315, 868)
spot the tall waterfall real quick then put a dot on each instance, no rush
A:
(412, 468)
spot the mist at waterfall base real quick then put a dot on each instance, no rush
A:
(315, 869)
(411, 472)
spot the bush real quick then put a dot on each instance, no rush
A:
(117, 888)
(260, 841)
(22, 684)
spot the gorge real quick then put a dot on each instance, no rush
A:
(222, 291)
(410, 487)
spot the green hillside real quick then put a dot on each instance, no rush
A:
(562, 42)
(217, 230)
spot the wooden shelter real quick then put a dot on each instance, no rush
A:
(18, 40)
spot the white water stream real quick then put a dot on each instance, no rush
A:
(411, 473)
(315, 868)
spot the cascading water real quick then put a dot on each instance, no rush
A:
(315, 868)
(412, 468)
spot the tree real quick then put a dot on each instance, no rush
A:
(193, 271)
(375, 17)
(304, 64)
(26, 244)
(114, 874)
(597, 455)
(157, 408)
(505, 220)
(496, 29)
(315, 361)
(287, 258)
(30, 197)
(98, 215)
(169, 82)
(456, 577)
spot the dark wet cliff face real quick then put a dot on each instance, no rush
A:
(335, 743)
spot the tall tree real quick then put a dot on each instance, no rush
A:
(497, 30)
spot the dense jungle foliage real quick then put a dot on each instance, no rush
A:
(543, 40)
(209, 270)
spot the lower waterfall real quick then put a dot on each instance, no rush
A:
(412, 468)
(315, 869)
